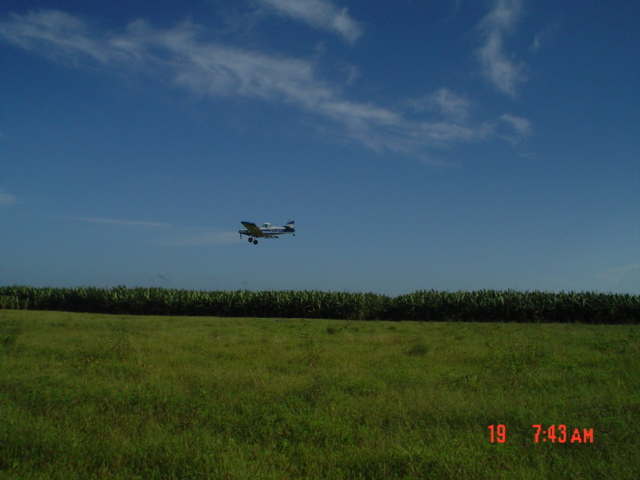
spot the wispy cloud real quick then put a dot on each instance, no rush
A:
(57, 35)
(112, 221)
(501, 70)
(522, 126)
(320, 14)
(444, 102)
(182, 57)
(7, 198)
(545, 35)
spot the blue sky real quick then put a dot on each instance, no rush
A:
(448, 145)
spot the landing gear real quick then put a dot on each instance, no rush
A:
(255, 242)
(250, 239)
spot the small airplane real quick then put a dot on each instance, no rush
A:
(266, 231)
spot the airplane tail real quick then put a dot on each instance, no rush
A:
(290, 225)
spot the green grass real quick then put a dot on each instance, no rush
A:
(96, 396)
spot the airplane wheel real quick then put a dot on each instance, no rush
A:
(250, 239)
(255, 242)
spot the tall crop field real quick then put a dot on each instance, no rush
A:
(480, 306)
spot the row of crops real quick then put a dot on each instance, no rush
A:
(481, 306)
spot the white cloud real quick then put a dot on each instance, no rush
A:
(522, 126)
(535, 45)
(55, 34)
(7, 199)
(445, 102)
(320, 14)
(504, 15)
(497, 66)
(180, 56)
(545, 36)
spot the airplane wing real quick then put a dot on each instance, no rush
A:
(253, 228)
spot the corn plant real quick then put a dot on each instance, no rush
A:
(422, 305)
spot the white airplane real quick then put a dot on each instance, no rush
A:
(266, 231)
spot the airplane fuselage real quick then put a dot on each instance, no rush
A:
(265, 231)
(268, 231)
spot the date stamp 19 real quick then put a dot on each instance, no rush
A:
(552, 434)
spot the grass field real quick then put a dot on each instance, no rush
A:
(97, 396)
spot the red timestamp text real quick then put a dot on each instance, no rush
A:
(552, 434)
(560, 434)
(497, 432)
